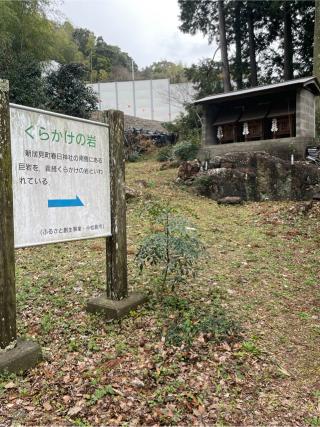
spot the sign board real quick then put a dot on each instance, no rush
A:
(61, 180)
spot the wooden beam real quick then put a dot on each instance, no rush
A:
(117, 274)
(116, 303)
(8, 333)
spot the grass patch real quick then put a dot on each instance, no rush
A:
(239, 344)
(211, 323)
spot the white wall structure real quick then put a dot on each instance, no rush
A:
(148, 99)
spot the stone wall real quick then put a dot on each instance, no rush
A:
(305, 114)
(282, 148)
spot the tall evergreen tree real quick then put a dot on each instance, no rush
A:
(237, 36)
(209, 18)
(267, 40)
(316, 60)
(224, 48)
(252, 44)
(206, 77)
(290, 24)
(287, 41)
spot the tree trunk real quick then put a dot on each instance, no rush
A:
(237, 34)
(287, 40)
(316, 60)
(252, 47)
(223, 48)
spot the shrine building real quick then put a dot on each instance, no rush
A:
(277, 118)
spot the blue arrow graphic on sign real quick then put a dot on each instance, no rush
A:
(65, 203)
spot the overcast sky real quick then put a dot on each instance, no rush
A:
(146, 29)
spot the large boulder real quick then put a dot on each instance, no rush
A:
(188, 169)
(226, 182)
(256, 176)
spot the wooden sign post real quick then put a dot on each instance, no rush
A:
(101, 213)
(15, 354)
(116, 302)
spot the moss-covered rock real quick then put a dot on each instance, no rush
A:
(256, 176)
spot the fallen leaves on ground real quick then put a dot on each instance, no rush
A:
(262, 265)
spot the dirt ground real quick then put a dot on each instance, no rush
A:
(261, 267)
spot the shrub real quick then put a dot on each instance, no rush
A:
(175, 248)
(174, 302)
(188, 125)
(133, 157)
(165, 154)
(186, 150)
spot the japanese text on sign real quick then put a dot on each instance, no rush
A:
(60, 177)
(55, 135)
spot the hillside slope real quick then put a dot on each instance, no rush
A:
(261, 270)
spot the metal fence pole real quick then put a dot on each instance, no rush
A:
(134, 98)
(151, 99)
(169, 98)
(99, 92)
(117, 95)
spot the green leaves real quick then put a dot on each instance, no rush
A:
(165, 154)
(192, 321)
(67, 92)
(175, 248)
(186, 150)
(100, 393)
(30, 41)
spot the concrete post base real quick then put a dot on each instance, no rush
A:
(113, 309)
(25, 355)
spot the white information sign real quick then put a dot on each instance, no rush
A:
(61, 181)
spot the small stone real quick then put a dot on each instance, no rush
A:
(10, 385)
(74, 411)
(131, 193)
(230, 200)
(66, 399)
(137, 383)
(47, 406)
(142, 183)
